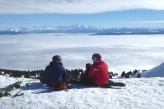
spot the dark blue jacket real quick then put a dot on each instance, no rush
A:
(55, 72)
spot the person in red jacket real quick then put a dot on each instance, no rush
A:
(98, 73)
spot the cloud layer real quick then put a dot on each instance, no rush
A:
(35, 51)
(75, 6)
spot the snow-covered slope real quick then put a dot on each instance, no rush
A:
(154, 72)
(143, 93)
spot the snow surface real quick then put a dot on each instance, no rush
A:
(154, 72)
(141, 93)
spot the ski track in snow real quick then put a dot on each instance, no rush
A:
(143, 93)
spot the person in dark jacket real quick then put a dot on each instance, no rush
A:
(55, 74)
(98, 73)
(84, 79)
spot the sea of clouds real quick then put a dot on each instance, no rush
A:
(121, 53)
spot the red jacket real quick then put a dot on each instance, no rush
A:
(99, 73)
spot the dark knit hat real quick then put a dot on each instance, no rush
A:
(96, 57)
(56, 58)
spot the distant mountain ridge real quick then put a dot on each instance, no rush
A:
(94, 30)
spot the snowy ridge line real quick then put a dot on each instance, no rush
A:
(82, 29)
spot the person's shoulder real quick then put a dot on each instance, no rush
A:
(60, 65)
(47, 67)
(103, 62)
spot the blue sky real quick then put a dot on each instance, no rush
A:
(108, 13)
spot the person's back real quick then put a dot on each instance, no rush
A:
(55, 74)
(99, 71)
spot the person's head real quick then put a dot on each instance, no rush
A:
(88, 66)
(96, 57)
(57, 58)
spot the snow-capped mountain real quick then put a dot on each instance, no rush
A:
(81, 29)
